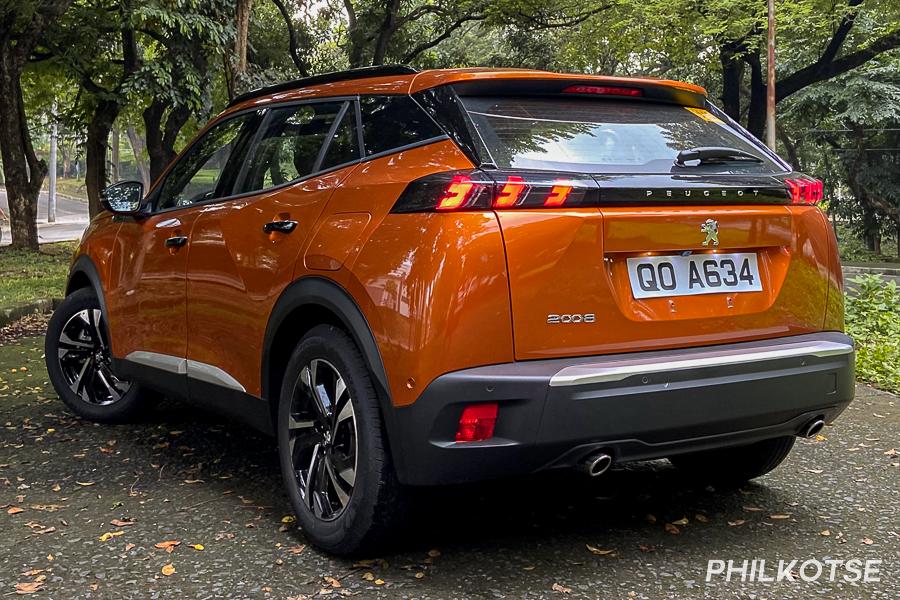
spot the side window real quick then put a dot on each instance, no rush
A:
(208, 169)
(344, 145)
(290, 144)
(391, 122)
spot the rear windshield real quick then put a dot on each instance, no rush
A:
(602, 136)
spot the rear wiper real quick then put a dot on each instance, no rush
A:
(707, 154)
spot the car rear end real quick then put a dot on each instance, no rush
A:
(673, 286)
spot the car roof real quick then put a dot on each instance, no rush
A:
(401, 79)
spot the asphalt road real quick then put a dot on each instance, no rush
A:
(71, 219)
(96, 501)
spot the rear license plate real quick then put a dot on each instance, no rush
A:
(656, 276)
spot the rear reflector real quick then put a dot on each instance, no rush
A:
(805, 191)
(604, 90)
(510, 192)
(558, 195)
(477, 423)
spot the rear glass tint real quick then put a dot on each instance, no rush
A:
(602, 136)
(391, 122)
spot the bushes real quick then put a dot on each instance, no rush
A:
(873, 320)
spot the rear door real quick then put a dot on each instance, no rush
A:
(243, 249)
(670, 256)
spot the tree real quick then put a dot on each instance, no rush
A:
(22, 22)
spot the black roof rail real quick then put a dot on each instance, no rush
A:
(360, 73)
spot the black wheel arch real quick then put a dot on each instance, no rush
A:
(83, 273)
(308, 302)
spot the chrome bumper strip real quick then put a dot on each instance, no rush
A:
(617, 370)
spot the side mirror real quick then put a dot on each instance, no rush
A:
(124, 198)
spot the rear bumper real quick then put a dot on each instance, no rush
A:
(640, 406)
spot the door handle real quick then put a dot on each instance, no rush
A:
(176, 242)
(280, 226)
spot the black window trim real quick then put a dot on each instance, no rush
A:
(266, 110)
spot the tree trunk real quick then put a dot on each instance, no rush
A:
(99, 128)
(236, 66)
(756, 114)
(161, 138)
(23, 172)
(137, 147)
(732, 76)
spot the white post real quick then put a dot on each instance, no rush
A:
(51, 200)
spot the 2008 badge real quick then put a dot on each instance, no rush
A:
(571, 318)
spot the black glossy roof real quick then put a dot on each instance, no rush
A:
(360, 73)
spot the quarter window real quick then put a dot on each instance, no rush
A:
(391, 122)
(290, 144)
(209, 168)
(344, 145)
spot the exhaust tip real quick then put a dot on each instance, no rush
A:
(596, 464)
(812, 428)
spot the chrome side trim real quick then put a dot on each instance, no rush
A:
(181, 366)
(611, 371)
(211, 374)
(164, 362)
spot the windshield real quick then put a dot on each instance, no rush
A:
(603, 136)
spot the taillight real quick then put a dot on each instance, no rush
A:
(803, 190)
(604, 90)
(477, 423)
(498, 190)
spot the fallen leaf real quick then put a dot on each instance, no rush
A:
(368, 576)
(780, 517)
(297, 549)
(33, 572)
(891, 452)
(197, 547)
(168, 545)
(701, 518)
(168, 569)
(129, 546)
(825, 532)
(15, 510)
(820, 438)
(681, 521)
(84, 483)
(529, 568)
(379, 582)
(193, 481)
(121, 522)
(752, 509)
(650, 518)
(736, 522)
(673, 529)
(556, 587)
(600, 551)
(867, 541)
(110, 535)
(29, 587)
(288, 519)
(332, 581)
(645, 548)
(56, 487)
(815, 471)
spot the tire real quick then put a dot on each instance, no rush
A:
(734, 466)
(346, 513)
(76, 351)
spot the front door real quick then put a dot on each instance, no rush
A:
(243, 250)
(146, 302)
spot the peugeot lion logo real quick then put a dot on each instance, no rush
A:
(711, 228)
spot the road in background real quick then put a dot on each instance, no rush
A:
(71, 219)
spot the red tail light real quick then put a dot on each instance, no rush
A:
(510, 192)
(604, 90)
(477, 423)
(805, 191)
(558, 195)
(457, 192)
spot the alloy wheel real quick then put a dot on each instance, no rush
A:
(84, 358)
(322, 439)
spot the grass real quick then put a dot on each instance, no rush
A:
(73, 188)
(873, 321)
(28, 276)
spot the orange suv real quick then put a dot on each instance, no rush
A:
(419, 278)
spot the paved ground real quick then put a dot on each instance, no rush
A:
(71, 219)
(96, 500)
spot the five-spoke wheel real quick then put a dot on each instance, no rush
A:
(323, 439)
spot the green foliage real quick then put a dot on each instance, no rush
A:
(29, 276)
(873, 321)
